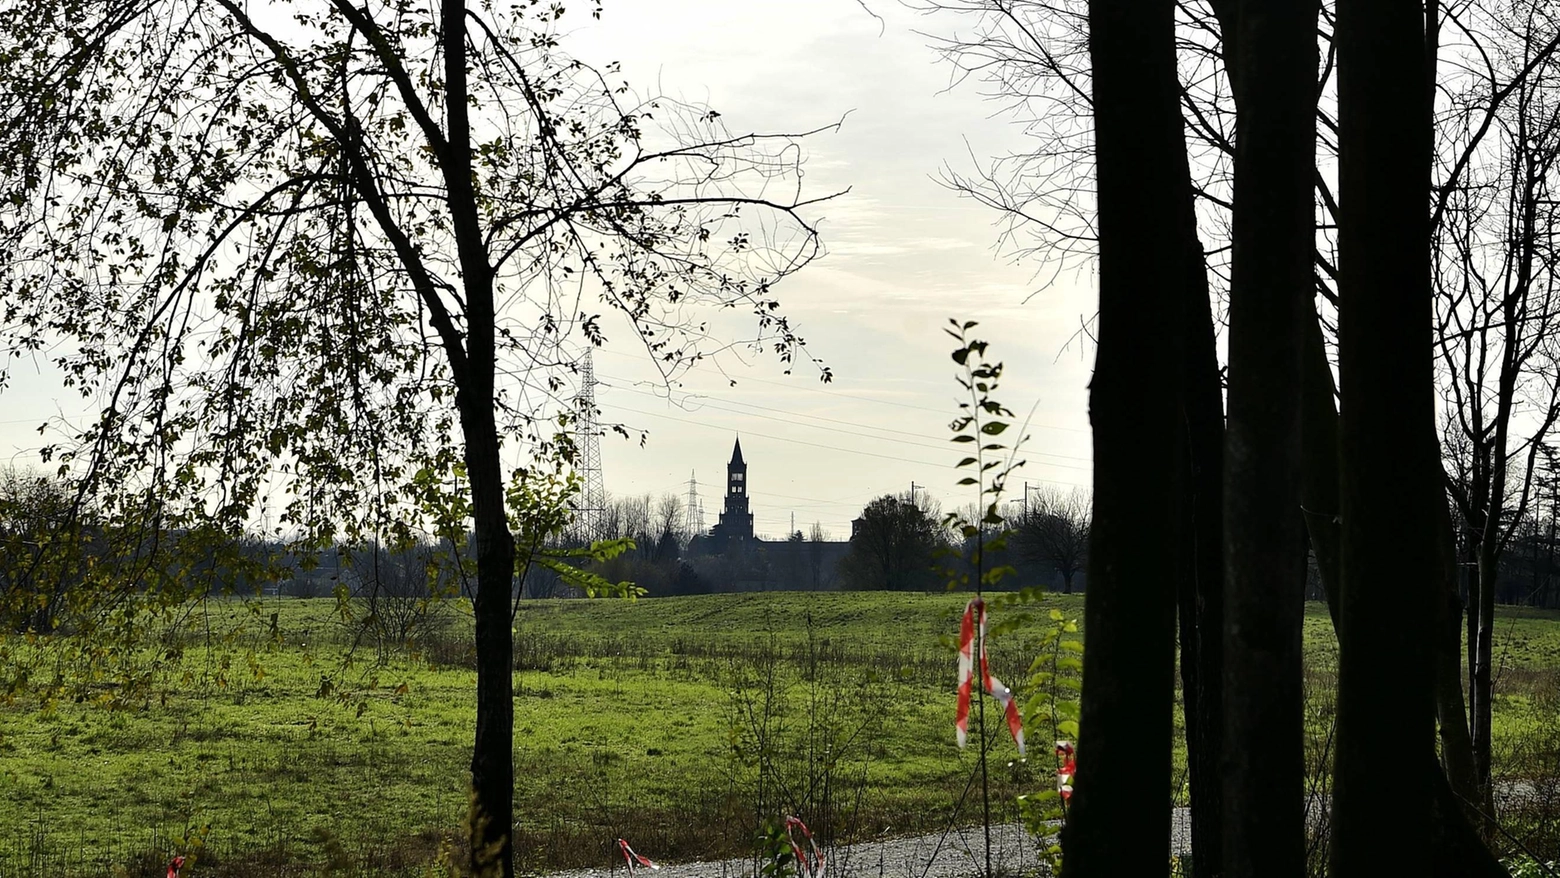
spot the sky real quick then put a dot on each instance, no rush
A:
(904, 254)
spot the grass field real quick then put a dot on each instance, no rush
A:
(678, 723)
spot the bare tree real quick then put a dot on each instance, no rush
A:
(1497, 301)
(818, 577)
(1272, 61)
(1053, 530)
(405, 591)
(1032, 57)
(668, 520)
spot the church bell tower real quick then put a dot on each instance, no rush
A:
(736, 522)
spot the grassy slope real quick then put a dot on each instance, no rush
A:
(625, 724)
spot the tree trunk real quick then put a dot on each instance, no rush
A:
(1483, 692)
(1200, 542)
(1271, 285)
(1467, 572)
(1454, 856)
(1319, 473)
(1451, 716)
(492, 757)
(1200, 567)
(1120, 821)
(1389, 479)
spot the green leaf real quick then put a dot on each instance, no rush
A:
(992, 428)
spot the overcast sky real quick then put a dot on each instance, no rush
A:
(904, 255)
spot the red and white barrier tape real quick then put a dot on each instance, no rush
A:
(805, 867)
(993, 686)
(634, 859)
(1069, 766)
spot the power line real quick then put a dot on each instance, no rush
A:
(795, 441)
(710, 402)
(842, 501)
(896, 459)
(846, 395)
(793, 423)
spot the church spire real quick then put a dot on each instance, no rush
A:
(736, 523)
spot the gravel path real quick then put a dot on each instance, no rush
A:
(959, 854)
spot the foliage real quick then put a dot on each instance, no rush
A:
(300, 255)
(45, 549)
(1055, 679)
(1528, 867)
(976, 431)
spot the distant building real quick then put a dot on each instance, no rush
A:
(734, 533)
(733, 558)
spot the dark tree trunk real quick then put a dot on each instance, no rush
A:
(1270, 291)
(1450, 712)
(1199, 544)
(1319, 452)
(1120, 820)
(492, 756)
(1454, 856)
(1382, 787)
(1482, 693)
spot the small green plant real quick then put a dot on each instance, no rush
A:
(1530, 867)
(1054, 682)
(1054, 677)
(773, 847)
(802, 732)
(980, 423)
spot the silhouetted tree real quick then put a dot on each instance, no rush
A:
(1382, 788)
(1272, 62)
(1497, 299)
(1054, 531)
(893, 545)
(1120, 816)
(817, 557)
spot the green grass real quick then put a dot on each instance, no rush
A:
(642, 719)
